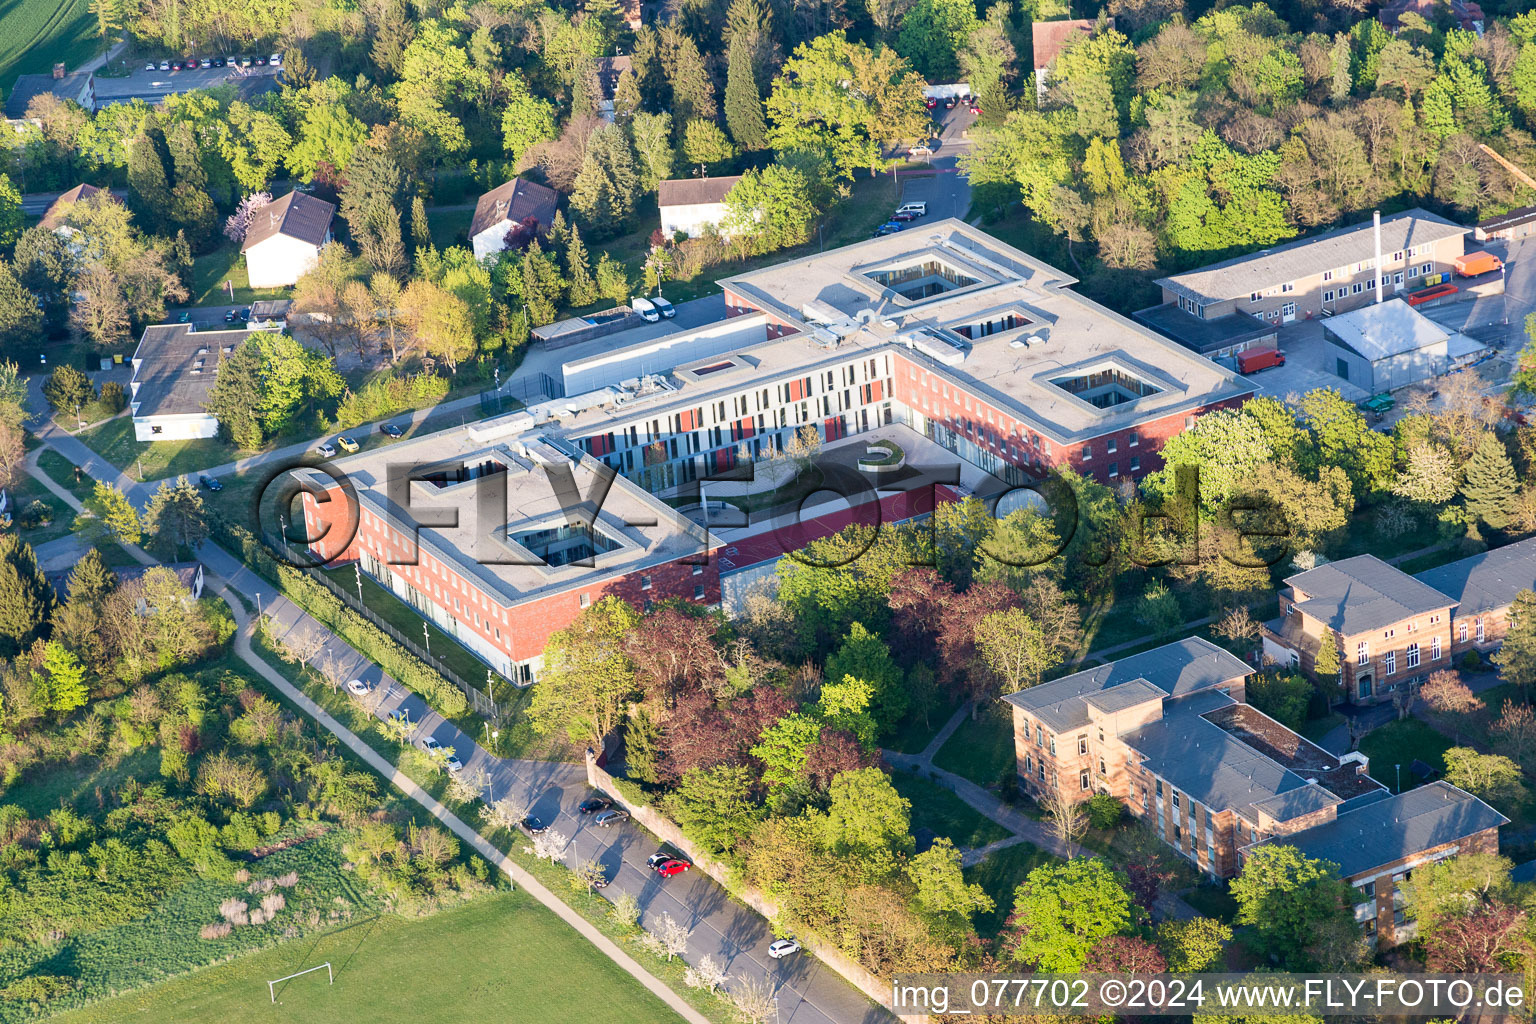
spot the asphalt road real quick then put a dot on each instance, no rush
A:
(809, 992)
(152, 85)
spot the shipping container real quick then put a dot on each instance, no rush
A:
(1430, 294)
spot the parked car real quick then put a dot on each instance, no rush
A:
(890, 227)
(665, 308)
(210, 482)
(648, 313)
(234, 62)
(245, 62)
(430, 744)
(401, 715)
(608, 819)
(673, 867)
(592, 805)
(206, 62)
(359, 688)
(276, 60)
(659, 858)
(533, 826)
(229, 317)
(931, 102)
(782, 948)
(902, 218)
(150, 66)
(949, 102)
(175, 65)
(165, 65)
(917, 206)
(325, 450)
(218, 62)
(244, 314)
(346, 443)
(453, 764)
(601, 881)
(390, 430)
(261, 62)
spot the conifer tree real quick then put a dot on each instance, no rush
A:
(148, 183)
(26, 599)
(421, 228)
(1326, 665)
(90, 580)
(743, 101)
(581, 290)
(541, 285)
(1490, 484)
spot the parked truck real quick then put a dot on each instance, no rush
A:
(1476, 263)
(1256, 359)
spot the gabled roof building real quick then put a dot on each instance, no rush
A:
(510, 215)
(284, 238)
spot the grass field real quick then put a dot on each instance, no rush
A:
(35, 34)
(27, 490)
(1401, 743)
(1000, 874)
(981, 749)
(501, 957)
(114, 442)
(212, 269)
(945, 814)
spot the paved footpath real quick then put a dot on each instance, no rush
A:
(808, 992)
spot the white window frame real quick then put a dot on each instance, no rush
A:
(1362, 653)
(1411, 656)
(1389, 663)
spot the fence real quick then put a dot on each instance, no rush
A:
(517, 393)
(479, 701)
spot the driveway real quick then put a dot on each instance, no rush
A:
(809, 992)
(152, 86)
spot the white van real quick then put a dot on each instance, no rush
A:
(645, 309)
(664, 307)
(921, 209)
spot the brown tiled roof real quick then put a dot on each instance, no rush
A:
(296, 215)
(55, 215)
(515, 201)
(695, 191)
(1051, 37)
(608, 71)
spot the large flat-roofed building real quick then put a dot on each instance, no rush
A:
(965, 352)
(979, 347)
(1386, 345)
(502, 536)
(173, 370)
(1168, 733)
(1321, 275)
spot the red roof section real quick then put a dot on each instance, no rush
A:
(1051, 37)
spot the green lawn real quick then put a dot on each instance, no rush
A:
(212, 270)
(1000, 874)
(27, 490)
(62, 472)
(114, 441)
(449, 227)
(981, 749)
(938, 809)
(914, 732)
(1400, 743)
(1212, 900)
(39, 33)
(476, 962)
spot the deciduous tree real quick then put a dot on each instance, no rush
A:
(1065, 910)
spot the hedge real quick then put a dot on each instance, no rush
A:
(410, 671)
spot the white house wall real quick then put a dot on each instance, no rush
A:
(280, 261)
(492, 240)
(174, 428)
(693, 219)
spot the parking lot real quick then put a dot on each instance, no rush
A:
(152, 85)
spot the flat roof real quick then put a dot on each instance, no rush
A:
(1182, 667)
(1362, 593)
(1240, 277)
(839, 299)
(1514, 218)
(1203, 336)
(1384, 831)
(175, 367)
(1385, 329)
(549, 484)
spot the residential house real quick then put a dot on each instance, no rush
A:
(1510, 227)
(78, 87)
(609, 69)
(173, 371)
(284, 239)
(1050, 38)
(1167, 733)
(1467, 15)
(694, 206)
(1322, 275)
(510, 215)
(53, 219)
(1393, 629)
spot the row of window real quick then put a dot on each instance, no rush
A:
(1389, 659)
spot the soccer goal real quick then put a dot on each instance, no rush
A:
(272, 985)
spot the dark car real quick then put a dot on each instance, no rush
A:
(890, 227)
(905, 216)
(210, 482)
(218, 62)
(244, 314)
(949, 104)
(229, 317)
(601, 882)
(391, 430)
(608, 819)
(595, 804)
(533, 826)
(175, 65)
(659, 858)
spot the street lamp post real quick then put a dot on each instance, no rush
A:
(258, 604)
(1399, 769)
(359, 574)
(426, 638)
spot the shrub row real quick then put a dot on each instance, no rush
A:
(387, 395)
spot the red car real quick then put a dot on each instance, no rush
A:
(672, 867)
(931, 102)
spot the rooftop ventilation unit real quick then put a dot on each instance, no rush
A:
(949, 351)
